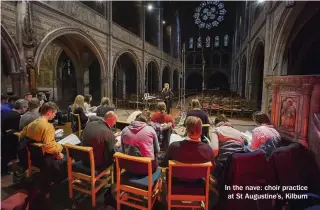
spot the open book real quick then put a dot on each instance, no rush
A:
(59, 131)
(247, 135)
(71, 139)
(175, 137)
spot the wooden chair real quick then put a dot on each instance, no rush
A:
(35, 152)
(81, 177)
(136, 190)
(188, 194)
(76, 124)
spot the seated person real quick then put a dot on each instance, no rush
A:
(139, 139)
(7, 105)
(133, 116)
(11, 122)
(163, 124)
(197, 112)
(104, 107)
(225, 141)
(160, 116)
(263, 133)
(87, 104)
(40, 130)
(78, 108)
(28, 96)
(191, 149)
(98, 135)
(229, 140)
(12, 119)
(32, 114)
(42, 98)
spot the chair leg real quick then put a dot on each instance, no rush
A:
(93, 194)
(29, 171)
(70, 188)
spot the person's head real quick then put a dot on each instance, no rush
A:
(193, 127)
(21, 106)
(28, 96)
(162, 107)
(111, 118)
(105, 101)
(78, 102)
(166, 86)
(195, 104)
(141, 118)
(88, 98)
(220, 118)
(260, 118)
(146, 112)
(13, 99)
(41, 96)
(4, 99)
(49, 110)
(34, 104)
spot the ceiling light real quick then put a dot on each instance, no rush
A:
(163, 22)
(150, 7)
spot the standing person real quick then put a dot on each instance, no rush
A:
(167, 97)
(31, 115)
(6, 107)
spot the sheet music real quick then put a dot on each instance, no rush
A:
(71, 139)
(58, 131)
(91, 114)
(247, 135)
(174, 138)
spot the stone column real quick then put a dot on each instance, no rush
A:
(306, 91)
(16, 84)
(86, 81)
(104, 87)
(110, 71)
(80, 86)
(274, 114)
(143, 37)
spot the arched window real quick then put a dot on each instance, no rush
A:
(208, 41)
(199, 44)
(216, 41)
(191, 43)
(226, 40)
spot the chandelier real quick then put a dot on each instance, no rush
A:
(209, 14)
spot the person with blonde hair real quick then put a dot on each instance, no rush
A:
(78, 108)
(167, 95)
(198, 112)
(105, 106)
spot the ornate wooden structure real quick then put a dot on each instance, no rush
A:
(294, 99)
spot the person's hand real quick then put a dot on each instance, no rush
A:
(59, 156)
(117, 134)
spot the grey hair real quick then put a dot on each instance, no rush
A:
(20, 104)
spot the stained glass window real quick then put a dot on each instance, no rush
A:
(216, 41)
(199, 44)
(209, 14)
(191, 43)
(226, 40)
(208, 41)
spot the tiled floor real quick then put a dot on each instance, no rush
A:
(59, 194)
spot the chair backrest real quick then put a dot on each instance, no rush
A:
(133, 164)
(295, 165)
(82, 153)
(35, 153)
(75, 122)
(189, 171)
